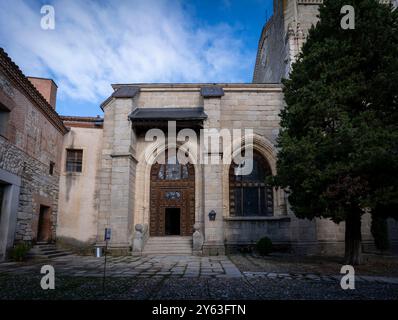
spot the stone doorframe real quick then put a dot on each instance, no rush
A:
(143, 182)
(9, 211)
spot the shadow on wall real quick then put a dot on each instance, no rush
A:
(69, 177)
(76, 246)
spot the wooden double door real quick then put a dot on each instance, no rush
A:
(172, 200)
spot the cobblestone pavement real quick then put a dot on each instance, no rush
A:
(179, 277)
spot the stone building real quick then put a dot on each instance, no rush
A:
(31, 135)
(81, 175)
(135, 190)
(283, 36)
(280, 42)
(78, 191)
(160, 207)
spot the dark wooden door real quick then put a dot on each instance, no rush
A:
(172, 190)
(44, 227)
(172, 218)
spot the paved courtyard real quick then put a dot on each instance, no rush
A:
(186, 277)
(148, 266)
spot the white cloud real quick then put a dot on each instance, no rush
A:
(95, 44)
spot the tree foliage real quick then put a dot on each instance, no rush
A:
(339, 138)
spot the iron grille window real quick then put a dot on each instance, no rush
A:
(74, 160)
(249, 194)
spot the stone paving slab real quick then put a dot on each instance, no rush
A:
(163, 266)
(146, 266)
(315, 277)
(179, 277)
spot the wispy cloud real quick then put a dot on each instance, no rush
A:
(98, 43)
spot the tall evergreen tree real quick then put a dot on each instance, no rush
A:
(339, 139)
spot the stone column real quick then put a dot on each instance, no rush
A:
(212, 185)
(119, 166)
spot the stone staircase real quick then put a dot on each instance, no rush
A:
(170, 245)
(46, 250)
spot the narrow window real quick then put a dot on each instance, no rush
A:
(52, 164)
(4, 118)
(74, 160)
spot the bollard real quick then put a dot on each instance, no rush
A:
(98, 252)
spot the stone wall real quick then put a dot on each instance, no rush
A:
(282, 39)
(271, 61)
(30, 143)
(123, 161)
(283, 36)
(38, 187)
(125, 181)
(79, 191)
(247, 231)
(117, 176)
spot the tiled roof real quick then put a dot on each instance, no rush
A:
(12, 71)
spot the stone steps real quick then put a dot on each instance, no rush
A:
(46, 250)
(172, 245)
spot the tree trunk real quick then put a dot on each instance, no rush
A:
(353, 238)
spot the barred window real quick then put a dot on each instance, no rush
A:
(250, 195)
(74, 160)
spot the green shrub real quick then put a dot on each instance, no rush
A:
(19, 251)
(264, 246)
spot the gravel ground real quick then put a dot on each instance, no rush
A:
(256, 288)
(238, 277)
(286, 263)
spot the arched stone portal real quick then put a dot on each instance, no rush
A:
(172, 198)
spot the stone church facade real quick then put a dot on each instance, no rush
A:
(132, 190)
(135, 198)
(113, 172)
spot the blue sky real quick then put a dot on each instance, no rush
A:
(96, 43)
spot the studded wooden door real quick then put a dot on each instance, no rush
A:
(172, 190)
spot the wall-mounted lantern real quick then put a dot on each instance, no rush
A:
(212, 215)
